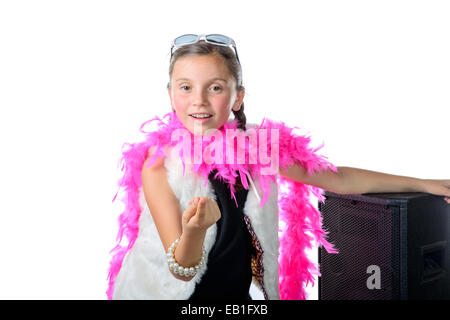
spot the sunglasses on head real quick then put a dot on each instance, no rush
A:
(216, 39)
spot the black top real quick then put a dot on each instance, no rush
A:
(228, 274)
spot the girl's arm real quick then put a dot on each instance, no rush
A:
(171, 223)
(357, 181)
(166, 213)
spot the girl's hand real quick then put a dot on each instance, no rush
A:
(202, 213)
(438, 187)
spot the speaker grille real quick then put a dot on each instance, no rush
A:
(366, 234)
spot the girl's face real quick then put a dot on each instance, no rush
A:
(202, 84)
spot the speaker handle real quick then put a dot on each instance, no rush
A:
(433, 261)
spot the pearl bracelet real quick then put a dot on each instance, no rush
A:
(180, 270)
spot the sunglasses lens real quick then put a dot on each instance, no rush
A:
(218, 38)
(184, 39)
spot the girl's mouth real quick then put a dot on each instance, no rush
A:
(202, 117)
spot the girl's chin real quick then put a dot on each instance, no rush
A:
(205, 131)
(202, 125)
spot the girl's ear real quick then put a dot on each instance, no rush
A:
(239, 100)
(171, 103)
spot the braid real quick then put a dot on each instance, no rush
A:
(242, 119)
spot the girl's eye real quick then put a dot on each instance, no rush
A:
(184, 87)
(217, 87)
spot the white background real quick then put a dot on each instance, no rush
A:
(370, 79)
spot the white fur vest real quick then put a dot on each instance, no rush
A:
(145, 274)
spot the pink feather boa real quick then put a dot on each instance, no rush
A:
(301, 221)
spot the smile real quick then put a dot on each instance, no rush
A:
(201, 116)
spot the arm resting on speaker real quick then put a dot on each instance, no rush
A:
(358, 181)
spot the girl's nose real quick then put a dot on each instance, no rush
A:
(200, 98)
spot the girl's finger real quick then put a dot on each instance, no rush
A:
(201, 206)
(190, 212)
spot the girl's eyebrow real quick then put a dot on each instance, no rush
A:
(213, 79)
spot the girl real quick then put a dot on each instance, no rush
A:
(206, 228)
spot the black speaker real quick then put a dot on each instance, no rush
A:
(392, 246)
